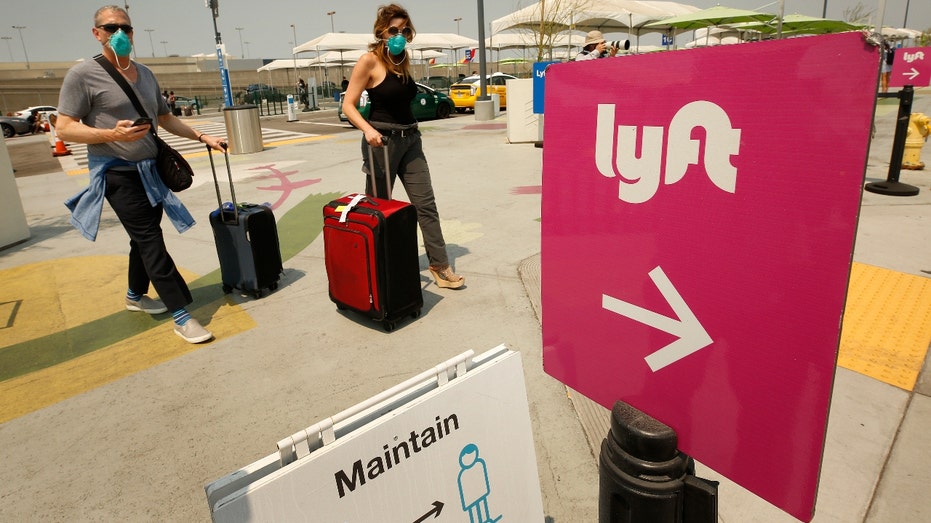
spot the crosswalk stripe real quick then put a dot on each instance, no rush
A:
(78, 159)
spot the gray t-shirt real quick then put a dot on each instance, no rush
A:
(91, 95)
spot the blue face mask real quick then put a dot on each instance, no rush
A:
(396, 44)
(119, 42)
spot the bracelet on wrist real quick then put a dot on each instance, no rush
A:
(200, 137)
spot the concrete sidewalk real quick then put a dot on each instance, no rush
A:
(134, 430)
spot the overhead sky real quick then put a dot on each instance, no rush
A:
(60, 30)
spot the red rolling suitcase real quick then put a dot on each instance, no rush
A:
(370, 247)
(246, 236)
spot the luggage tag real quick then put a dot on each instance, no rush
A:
(344, 209)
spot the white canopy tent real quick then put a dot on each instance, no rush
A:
(286, 64)
(335, 42)
(609, 16)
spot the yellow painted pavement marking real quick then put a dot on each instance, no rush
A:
(887, 325)
(57, 295)
(46, 387)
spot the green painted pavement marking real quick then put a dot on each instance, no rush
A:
(297, 229)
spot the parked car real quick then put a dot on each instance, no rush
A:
(327, 88)
(44, 110)
(426, 104)
(255, 93)
(184, 101)
(465, 91)
(13, 125)
(438, 82)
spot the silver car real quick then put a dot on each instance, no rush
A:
(13, 125)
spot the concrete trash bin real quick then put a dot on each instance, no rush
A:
(243, 129)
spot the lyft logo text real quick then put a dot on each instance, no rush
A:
(640, 175)
(911, 57)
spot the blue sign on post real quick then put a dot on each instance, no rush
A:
(224, 77)
(539, 76)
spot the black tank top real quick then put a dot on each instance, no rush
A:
(391, 100)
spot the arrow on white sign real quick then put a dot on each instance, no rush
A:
(692, 335)
(911, 74)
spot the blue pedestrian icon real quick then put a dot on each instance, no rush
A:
(473, 485)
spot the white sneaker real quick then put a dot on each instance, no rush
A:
(193, 332)
(146, 304)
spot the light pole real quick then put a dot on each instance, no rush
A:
(294, 56)
(126, 7)
(456, 51)
(247, 46)
(242, 50)
(165, 46)
(150, 41)
(905, 22)
(330, 14)
(8, 48)
(20, 29)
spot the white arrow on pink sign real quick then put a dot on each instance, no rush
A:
(911, 66)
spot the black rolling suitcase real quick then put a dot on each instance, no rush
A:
(370, 249)
(247, 241)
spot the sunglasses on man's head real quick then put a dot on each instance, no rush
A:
(111, 28)
(406, 32)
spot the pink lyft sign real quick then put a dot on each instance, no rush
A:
(699, 214)
(912, 66)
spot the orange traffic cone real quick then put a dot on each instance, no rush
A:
(60, 149)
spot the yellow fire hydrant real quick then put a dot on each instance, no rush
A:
(919, 126)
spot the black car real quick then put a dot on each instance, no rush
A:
(255, 93)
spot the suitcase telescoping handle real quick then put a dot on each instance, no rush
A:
(216, 182)
(372, 169)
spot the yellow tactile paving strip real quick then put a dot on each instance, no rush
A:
(887, 325)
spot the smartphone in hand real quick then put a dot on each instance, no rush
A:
(142, 121)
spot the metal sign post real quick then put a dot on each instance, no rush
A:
(214, 7)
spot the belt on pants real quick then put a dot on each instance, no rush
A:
(403, 133)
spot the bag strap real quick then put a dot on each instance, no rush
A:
(121, 81)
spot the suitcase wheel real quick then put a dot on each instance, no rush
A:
(341, 307)
(415, 314)
(388, 325)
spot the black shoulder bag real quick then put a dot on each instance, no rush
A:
(173, 169)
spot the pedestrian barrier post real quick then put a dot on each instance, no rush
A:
(892, 186)
(645, 478)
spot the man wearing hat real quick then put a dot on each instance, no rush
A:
(595, 47)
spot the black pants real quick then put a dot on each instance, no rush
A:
(149, 260)
(409, 163)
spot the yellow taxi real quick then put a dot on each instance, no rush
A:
(465, 91)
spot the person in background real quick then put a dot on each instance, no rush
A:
(171, 103)
(344, 84)
(885, 68)
(302, 94)
(385, 72)
(93, 109)
(594, 47)
(35, 121)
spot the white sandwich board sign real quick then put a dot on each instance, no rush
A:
(452, 444)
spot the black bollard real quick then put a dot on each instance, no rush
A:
(892, 186)
(645, 479)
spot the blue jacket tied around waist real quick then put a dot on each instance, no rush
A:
(87, 205)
